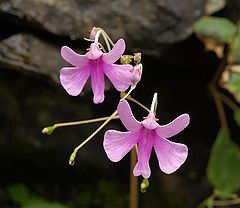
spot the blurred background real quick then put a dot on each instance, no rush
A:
(34, 169)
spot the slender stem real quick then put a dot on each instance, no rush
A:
(214, 91)
(74, 123)
(105, 36)
(102, 47)
(231, 104)
(88, 39)
(106, 41)
(96, 40)
(221, 67)
(133, 199)
(72, 158)
(128, 93)
(109, 39)
(226, 202)
(138, 103)
(136, 149)
(207, 202)
(49, 130)
(74, 153)
(220, 109)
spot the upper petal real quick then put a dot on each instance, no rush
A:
(173, 128)
(73, 79)
(150, 121)
(73, 58)
(94, 52)
(145, 144)
(117, 144)
(117, 51)
(119, 75)
(170, 155)
(97, 81)
(126, 116)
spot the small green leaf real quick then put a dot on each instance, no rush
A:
(237, 116)
(234, 82)
(234, 53)
(32, 201)
(223, 195)
(223, 169)
(231, 80)
(220, 29)
(45, 205)
(18, 193)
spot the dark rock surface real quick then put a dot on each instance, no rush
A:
(27, 52)
(147, 25)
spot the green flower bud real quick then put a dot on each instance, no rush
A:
(144, 185)
(48, 130)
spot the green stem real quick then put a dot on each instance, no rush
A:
(133, 198)
(213, 84)
(138, 103)
(226, 202)
(208, 202)
(50, 129)
(73, 155)
(230, 103)
(74, 123)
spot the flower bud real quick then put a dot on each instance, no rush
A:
(93, 33)
(144, 185)
(136, 74)
(72, 158)
(48, 130)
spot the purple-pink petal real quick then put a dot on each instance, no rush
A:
(173, 128)
(126, 116)
(119, 75)
(144, 152)
(136, 74)
(97, 81)
(117, 51)
(93, 33)
(170, 155)
(117, 144)
(95, 63)
(94, 52)
(73, 79)
(73, 58)
(150, 122)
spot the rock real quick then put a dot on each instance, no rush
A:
(26, 52)
(147, 25)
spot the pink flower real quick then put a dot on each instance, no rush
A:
(95, 63)
(147, 134)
